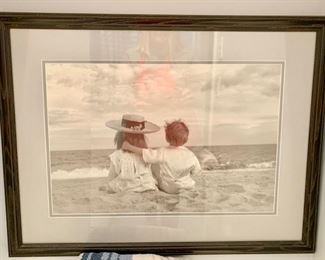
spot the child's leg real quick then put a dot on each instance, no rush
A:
(155, 168)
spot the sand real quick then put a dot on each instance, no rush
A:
(224, 192)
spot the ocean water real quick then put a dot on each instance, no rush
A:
(95, 163)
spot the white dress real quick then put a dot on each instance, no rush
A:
(176, 167)
(128, 172)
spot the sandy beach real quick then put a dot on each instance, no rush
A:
(217, 191)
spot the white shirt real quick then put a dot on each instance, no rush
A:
(176, 165)
(128, 172)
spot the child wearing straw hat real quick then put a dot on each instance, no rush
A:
(128, 171)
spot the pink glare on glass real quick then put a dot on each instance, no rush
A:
(161, 47)
(154, 77)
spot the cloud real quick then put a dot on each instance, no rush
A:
(63, 117)
(259, 78)
(239, 96)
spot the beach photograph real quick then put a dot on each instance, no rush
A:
(129, 138)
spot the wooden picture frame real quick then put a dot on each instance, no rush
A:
(91, 22)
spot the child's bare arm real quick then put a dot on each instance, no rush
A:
(148, 155)
(131, 148)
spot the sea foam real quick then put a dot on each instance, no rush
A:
(262, 165)
(79, 173)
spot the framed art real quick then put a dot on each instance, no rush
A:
(161, 134)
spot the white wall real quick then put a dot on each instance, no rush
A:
(207, 7)
(196, 7)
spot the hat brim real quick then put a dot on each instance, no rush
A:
(148, 127)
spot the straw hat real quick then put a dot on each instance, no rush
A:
(134, 124)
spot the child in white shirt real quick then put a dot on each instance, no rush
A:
(175, 162)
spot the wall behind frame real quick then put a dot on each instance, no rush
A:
(194, 7)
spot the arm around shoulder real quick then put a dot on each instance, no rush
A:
(131, 148)
(152, 155)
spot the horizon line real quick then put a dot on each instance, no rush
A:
(97, 149)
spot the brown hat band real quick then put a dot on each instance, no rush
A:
(130, 124)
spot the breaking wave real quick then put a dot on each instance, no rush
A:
(262, 165)
(213, 165)
(79, 173)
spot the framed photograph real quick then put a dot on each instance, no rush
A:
(161, 134)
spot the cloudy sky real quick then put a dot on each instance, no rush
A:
(223, 104)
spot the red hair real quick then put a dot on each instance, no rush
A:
(137, 140)
(176, 133)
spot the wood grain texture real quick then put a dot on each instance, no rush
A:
(9, 144)
(154, 22)
(161, 22)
